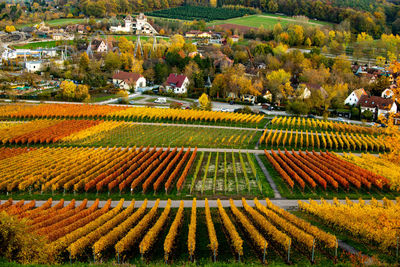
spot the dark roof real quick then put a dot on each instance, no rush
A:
(96, 43)
(128, 77)
(176, 80)
(375, 101)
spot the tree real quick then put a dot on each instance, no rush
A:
(297, 108)
(112, 61)
(275, 80)
(137, 66)
(82, 92)
(84, 61)
(355, 113)
(272, 6)
(10, 28)
(368, 115)
(307, 42)
(68, 90)
(205, 102)
(123, 97)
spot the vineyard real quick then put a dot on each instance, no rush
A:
(342, 141)
(82, 232)
(201, 13)
(319, 125)
(119, 170)
(143, 114)
(120, 133)
(375, 224)
(307, 174)
(226, 173)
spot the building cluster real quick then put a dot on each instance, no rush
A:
(139, 25)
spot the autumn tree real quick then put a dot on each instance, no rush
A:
(205, 102)
(84, 61)
(276, 82)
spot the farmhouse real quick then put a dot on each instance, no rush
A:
(99, 46)
(377, 105)
(177, 83)
(354, 97)
(128, 80)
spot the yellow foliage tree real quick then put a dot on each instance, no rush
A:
(205, 102)
(10, 28)
(391, 136)
(68, 89)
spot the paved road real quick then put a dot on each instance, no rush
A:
(283, 203)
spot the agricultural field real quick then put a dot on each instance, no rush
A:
(226, 174)
(338, 141)
(372, 225)
(267, 21)
(201, 13)
(302, 175)
(304, 124)
(95, 133)
(141, 114)
(118, 170)
(264, 233)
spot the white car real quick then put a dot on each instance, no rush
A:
(224, 110)
(160, 100)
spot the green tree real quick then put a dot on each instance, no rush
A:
(84, 61)
(297, 108)
(272, 6)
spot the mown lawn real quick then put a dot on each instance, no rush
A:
(266, 20)
(43, 44)
(56, 22)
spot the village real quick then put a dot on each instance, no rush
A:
(128, 59)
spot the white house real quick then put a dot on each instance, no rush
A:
(129, 80)
(33, 66)
(127, 28)
(99, 46)
(377, 105)
(354, 97)
(141, 26)
(177, 83)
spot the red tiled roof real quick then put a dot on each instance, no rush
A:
(176, 80)
(376, 101)
(128, 77)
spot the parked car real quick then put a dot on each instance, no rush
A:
(224, 110)
(311, 116)
(161, 100)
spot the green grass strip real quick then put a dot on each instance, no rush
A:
(215, 173)
(246, 177)
(225, 174)
(254, 171)
(234, 172)
(196, 172)
(206, 172)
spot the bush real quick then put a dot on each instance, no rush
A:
(18, 243)
(297, 108)
(368, 115)
(355, 113)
